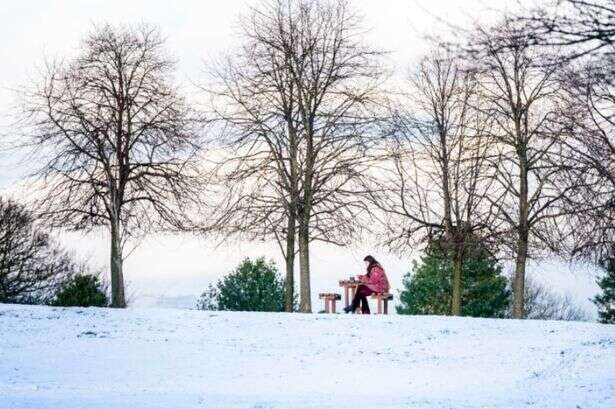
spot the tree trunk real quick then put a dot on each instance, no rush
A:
(289, 291)
(304, 267)
(519, 281)
(457, 268)
(522, 241)
(289, 295)
(304, 214)
(117, 275)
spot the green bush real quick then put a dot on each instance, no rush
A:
(252, 286)
(428, 289)
(209, 299)
(606, 300)
(82, 290)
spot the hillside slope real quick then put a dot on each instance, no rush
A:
(116, 359)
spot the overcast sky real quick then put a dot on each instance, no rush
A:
(196, 31)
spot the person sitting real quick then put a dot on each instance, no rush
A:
(375, 281)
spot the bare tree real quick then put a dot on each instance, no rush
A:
(301, 115)
(584, 27)
(254, 103)
(584, 30)
(440, 176)
(114, 140)
(32, 264)
(521, 89)
(337, 81)
(591, 148)
(542, 304)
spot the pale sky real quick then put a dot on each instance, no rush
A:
(197, 30)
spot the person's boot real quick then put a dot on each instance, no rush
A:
(348, 309)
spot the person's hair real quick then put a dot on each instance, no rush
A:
(372, 262)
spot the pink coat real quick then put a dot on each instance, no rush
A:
(377, 280)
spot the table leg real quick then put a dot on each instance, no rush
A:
(353, 292)
(346, 296)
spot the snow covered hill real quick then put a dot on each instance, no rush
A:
(154, 358)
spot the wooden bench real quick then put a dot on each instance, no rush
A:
(330, 299)
(383, 302)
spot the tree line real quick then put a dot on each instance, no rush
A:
(501, 141)
(35, 269)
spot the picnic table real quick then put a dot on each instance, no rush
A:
(350, 288)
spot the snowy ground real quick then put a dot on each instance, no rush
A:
(155, 358)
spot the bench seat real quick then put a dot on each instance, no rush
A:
(383, 302)
(330, 300)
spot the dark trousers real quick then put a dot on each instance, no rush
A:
(360, 297)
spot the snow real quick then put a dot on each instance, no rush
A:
(166, 358)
